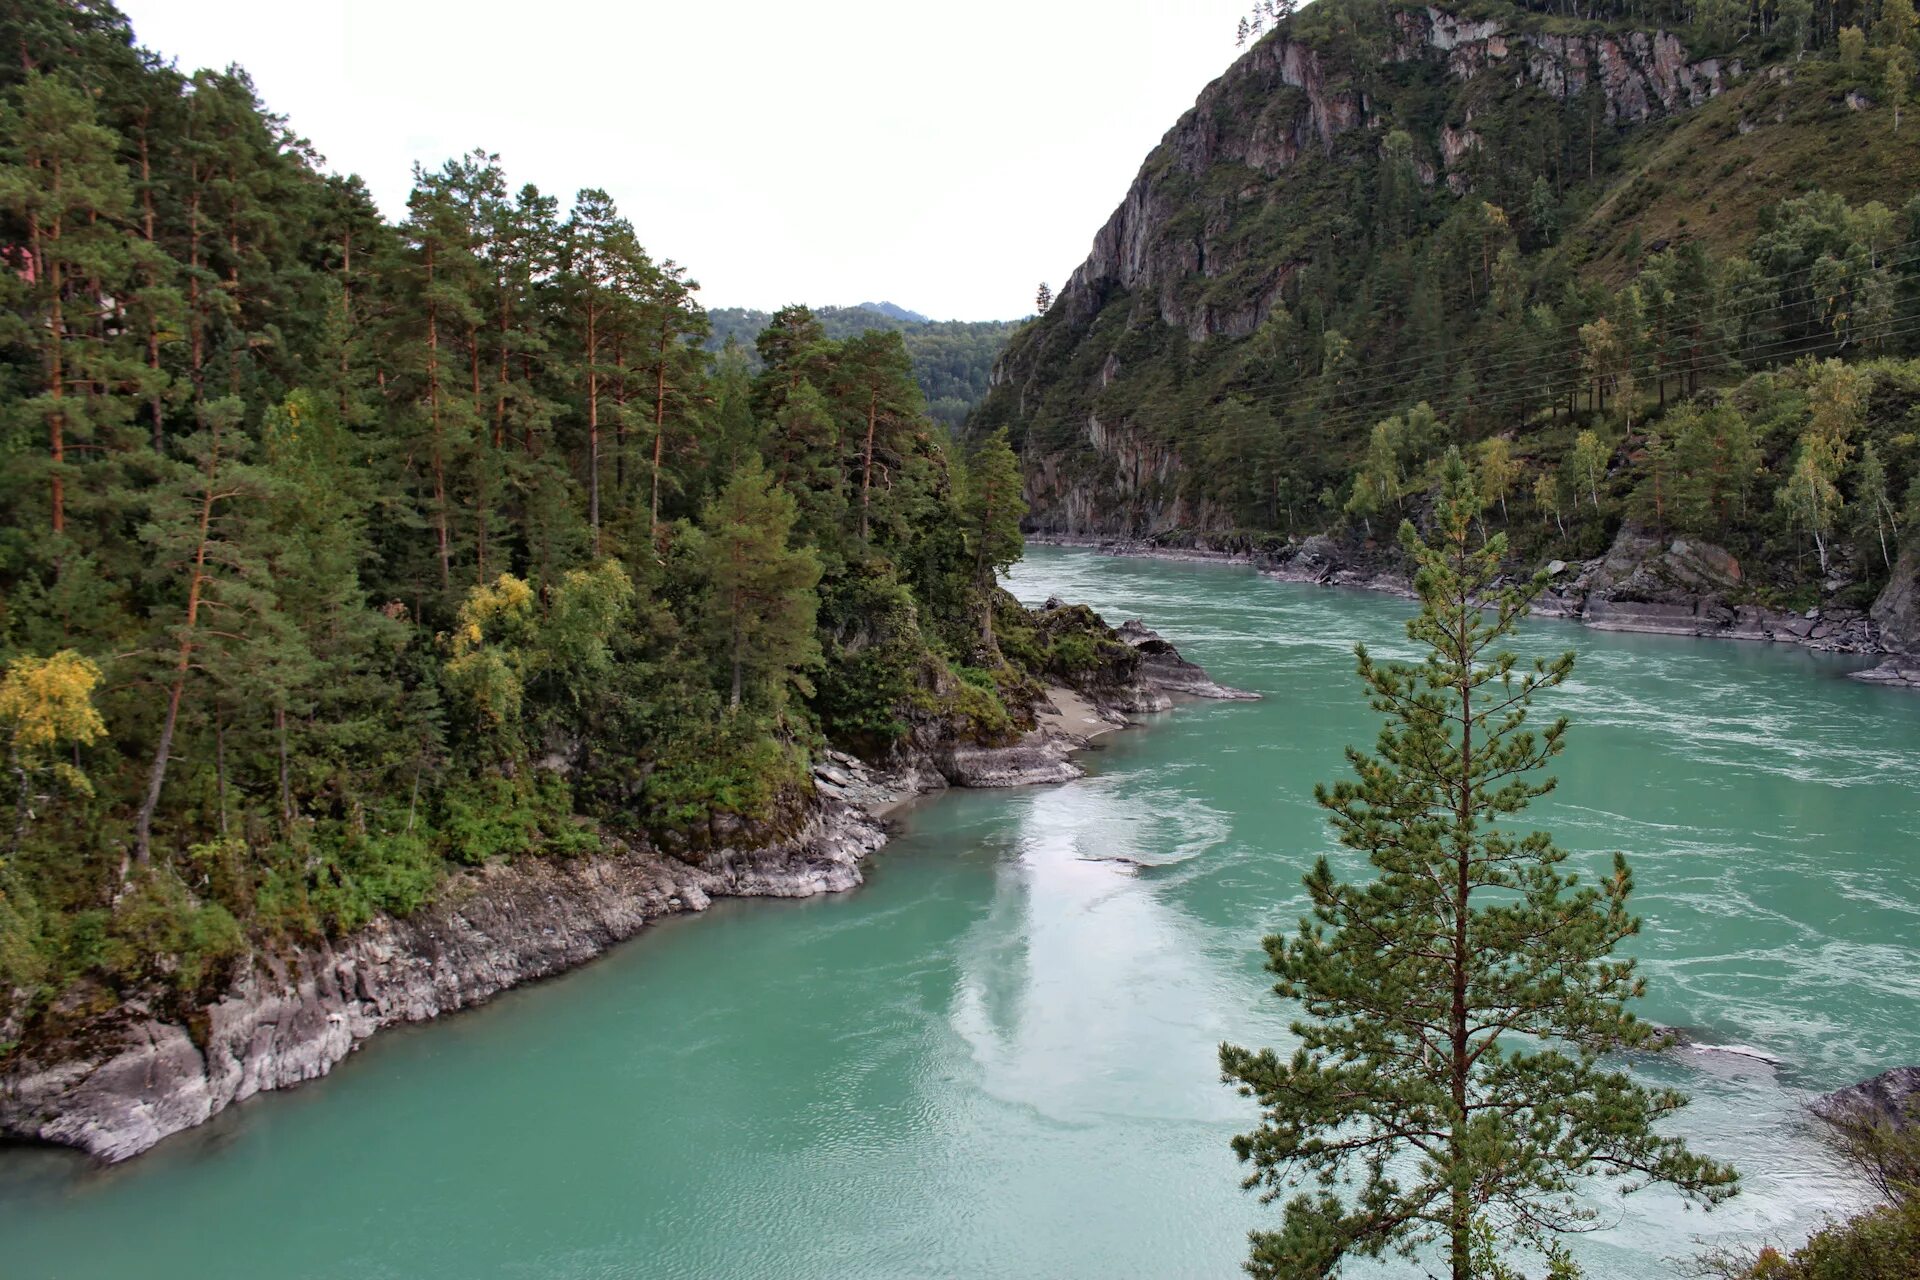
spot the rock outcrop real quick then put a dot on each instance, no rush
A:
(1890, 1098)
(1897, 614)
(1687, 587)
(1198, 250)
(1162, 667)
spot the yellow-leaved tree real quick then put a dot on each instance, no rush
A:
(47, 704)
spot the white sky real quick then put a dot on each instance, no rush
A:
(946, 158)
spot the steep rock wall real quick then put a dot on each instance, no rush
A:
(1175, 251)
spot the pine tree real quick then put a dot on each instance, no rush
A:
(1449, 1088)
(63, 183)
(760, 602)
(804, 448)
(874, 375)
(673, 326)
(598, 249)
(994, 507)
(193, 534)
(1043, 299)
(443, 277)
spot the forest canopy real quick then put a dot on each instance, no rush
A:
(337, 552)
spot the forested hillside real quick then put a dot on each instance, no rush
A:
(335, 552)
(952, 359)
(1609, 250)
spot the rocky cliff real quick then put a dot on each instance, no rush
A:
(1266, 185)
(1286, 99)
(1254, 187)
(1897, 614)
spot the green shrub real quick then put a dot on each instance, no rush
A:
(733, 766)
(159, 932)
(22, 961)
(978, 711)
(1072, 655)
(395, 873)
(1880, 1244)
(494, 816)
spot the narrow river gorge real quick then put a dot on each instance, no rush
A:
(997, 1058)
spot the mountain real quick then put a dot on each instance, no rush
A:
(1536, 225)
(893, 312)
(952, 359)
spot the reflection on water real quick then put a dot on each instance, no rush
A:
(997, 1058)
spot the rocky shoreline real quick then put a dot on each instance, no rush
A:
(1643, 585)
(116, 1084)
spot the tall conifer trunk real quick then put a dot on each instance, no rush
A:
(593, 426)
(1461, 1209)
(659, 430)
(866, 469)
(437, 461)
(183, 660)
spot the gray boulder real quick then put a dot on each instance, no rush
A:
(1897, 611)
(1891, 1096)
(1162, 667)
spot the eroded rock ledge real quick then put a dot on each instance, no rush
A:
(116, 1084)
(122, 1082)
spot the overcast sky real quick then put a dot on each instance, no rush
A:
(946, 157)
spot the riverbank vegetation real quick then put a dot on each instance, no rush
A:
(336, 552)
(1881, 1244)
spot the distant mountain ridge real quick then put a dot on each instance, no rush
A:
(896, 312)
(952, 359)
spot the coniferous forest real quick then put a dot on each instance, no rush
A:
(359, 570)
(952, 359)
(335, 553)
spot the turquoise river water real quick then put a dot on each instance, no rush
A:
(997, 1059)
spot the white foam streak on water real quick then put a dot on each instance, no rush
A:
(1723, 774)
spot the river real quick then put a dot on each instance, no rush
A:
(998, 1057)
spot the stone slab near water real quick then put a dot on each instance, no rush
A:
(1893, 1096)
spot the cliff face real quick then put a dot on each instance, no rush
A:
(1247, 191)
(1280, 102)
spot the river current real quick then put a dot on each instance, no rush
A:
(997, 1059)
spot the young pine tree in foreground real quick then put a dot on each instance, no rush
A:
(1449, 1087)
